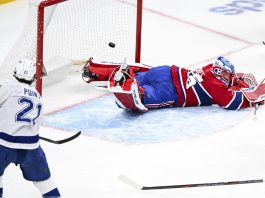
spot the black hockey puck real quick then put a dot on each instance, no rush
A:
(111, 44)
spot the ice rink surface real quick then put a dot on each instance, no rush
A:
(162, 147)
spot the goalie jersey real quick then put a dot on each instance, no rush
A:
(172, 86)
(202, 88)
(20, 110)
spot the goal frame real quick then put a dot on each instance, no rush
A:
(40, 37)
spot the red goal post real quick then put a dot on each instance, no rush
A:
(77, 30)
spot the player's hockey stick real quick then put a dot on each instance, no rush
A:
(61, 141)
(133, 184)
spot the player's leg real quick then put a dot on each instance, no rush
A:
(47, 188)
(102, 71)
(35, 168)
(1, 186)
(125, 89)
(7, 156)
(93, 71)
(159, 90)
(151, 89)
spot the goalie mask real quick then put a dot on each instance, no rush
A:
(25, 71)
(223, 70)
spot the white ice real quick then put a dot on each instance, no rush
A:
(163, 147)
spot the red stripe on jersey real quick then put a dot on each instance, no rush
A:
(186, 97)
(178, 82)
(192, 98)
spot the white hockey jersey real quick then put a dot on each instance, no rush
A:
(20, 115)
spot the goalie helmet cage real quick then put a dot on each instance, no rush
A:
(77, 30)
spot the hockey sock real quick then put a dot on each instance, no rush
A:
(47, 188)
(53, 193)
(1, 186)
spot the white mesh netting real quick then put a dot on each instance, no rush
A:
(78, 29)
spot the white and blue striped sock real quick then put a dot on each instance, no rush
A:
(47, 188)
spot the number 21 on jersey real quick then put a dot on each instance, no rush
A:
(28, 108)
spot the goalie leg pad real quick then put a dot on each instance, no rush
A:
(102, 71)
(98, 71)
(130, 100)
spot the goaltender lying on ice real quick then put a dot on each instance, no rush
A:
(141, 87)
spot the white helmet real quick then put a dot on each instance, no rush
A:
(25, 70)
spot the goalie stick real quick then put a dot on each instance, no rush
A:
(61, 141)
(133, 184)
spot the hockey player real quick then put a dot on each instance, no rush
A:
(140, 87)
(21, 111)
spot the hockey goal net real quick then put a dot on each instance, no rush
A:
(76, 30)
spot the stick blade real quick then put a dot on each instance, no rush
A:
(70, 138)
(61, 141)
(130, 182)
